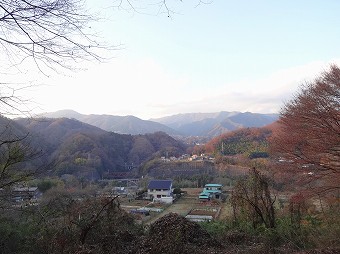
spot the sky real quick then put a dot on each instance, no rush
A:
(204, 57)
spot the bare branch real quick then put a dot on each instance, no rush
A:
(152, 7)
(51, 32)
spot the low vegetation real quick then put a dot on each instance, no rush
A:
(74, 220)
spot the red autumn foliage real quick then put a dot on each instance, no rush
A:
(308, 132)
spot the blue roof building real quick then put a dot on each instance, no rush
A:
(211, 191)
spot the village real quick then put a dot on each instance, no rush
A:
(160, 198)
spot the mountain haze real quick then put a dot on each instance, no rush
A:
(119, 124)
(185, 125)
(214, 124)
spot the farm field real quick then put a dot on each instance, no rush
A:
(183, 206)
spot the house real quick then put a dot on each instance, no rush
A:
(211, 191)
(160, 191)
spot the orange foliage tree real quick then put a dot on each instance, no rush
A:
(309, 129)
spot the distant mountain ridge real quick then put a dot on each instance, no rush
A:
(119, 124)
(186, 125)
(215, 124)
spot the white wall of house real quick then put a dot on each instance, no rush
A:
(158, 193)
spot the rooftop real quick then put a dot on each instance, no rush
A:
(213, 185)
(160, 184)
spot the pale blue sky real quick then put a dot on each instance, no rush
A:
(224, 56)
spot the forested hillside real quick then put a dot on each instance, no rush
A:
(88, 151)
(252, 142)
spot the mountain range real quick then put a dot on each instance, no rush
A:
(89, 151)
(185, 125)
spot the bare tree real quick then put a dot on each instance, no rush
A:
(19, 162)
(49, 32)
(84, 225)
(251, 198)
(309, 133)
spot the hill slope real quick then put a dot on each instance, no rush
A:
(252, 142)
(87, 151)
